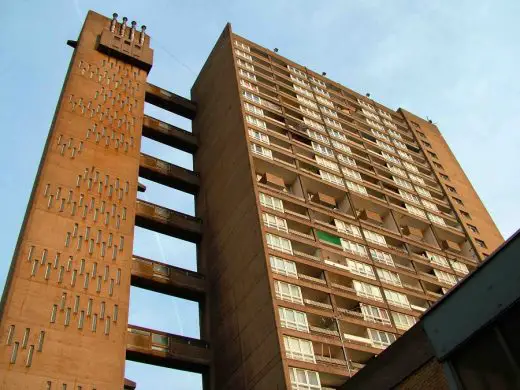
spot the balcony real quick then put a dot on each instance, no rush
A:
(167, 279)
(168, 174)
(170, 101)
(167, 350)
(169, 135)
(167, 221)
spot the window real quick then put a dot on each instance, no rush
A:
(352, 174)
(429, 205)
(403, 321)
(322, 149)
(396, 170)
(408, 196)
(390, 158)
(465, 214)
(246, 65)
(317, 81)
(445, 277)
(327, 163)
(437, 165)
(359, 268)
(396, 299)
(378, 134)
(382, 257)
(304, 379)
(416, 179)
(320, 91)
(333, 122)
(275, 222)
(248, 85)
(322, 100)
(296, 71)
(410, 167)
(375, 314)
(415, 124)
(402, 183)
(371, 123)
(243, 46)
(421, 191)
(366, 105)
(472, 228)
(415, 211)
(370, 115)
(271, 202)
(252, 97)
(458, 201)
(385, 114)
(254, 109)
(460, 267)
(279, 243)
(353, 247)
(337, 134)
(385, 146)
(293, 319)
(389, 124)
(247, 74)
(404, 155)
(347, 228)
(400, 144)
(299, 80)
(261, 151)
(340, 146)
(374, 237)
(328, 111)
(433, 155)
(427, 144)
(347, 160)
(283, 267)
(389, 277)
(288, 292)
(303, 91)
(481, 243)
(259, 136)
(436, 219)
(240, 53)
(299, 349)
(395, 134)
(437, 259)
(317, 136)
(367, 290)
(308, 111)
(255, 121)
(381, 339)
(445, 177)
(356, 187)
(306, 101)
(331, 178)
(421, 134)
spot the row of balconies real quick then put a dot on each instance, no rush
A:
(377, 201)
(403, 235)
(269, 90)
(345, 99)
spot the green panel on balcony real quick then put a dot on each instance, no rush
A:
(324, 236)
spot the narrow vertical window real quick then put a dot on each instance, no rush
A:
(10, 335)
(81, 319)
(41, 339)
(25, 338)
(76, 303)
(67, 316)
(53, 313)
(28, 362)
(107, 326)
(14, 352)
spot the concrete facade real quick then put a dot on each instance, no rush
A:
(324, 227)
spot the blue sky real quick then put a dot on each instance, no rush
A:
(453, 61)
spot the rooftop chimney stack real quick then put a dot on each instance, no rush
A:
(113, 22)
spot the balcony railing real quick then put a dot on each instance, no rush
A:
(296, 214)
(345, 288)
(350, 338)
(306, 256)
(351, 313)
(304, 235)
(330, 360)
(328, 332)
(311, 278)
(318, 304)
